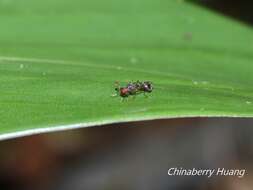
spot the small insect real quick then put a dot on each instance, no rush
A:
(133, 88)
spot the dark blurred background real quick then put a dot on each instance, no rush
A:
(241, 10)
(132, 156)
(136, 155)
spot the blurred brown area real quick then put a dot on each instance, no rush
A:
(133, 155)
(240, 10)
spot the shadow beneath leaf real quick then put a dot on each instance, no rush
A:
(239, 10)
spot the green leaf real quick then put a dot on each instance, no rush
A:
(59, 61)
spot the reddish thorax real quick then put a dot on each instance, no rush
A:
(124, 92)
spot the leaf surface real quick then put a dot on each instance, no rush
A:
(59, 61)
